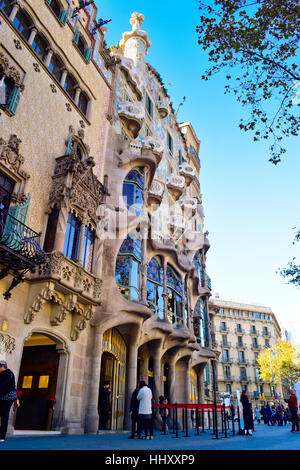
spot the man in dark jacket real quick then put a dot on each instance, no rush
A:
(134, 410)
(293, 407)
(8, 395)
(104, 404)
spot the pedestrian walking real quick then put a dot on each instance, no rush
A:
(264, 413)
(104, 405)
(285, 416)
(279, 414)
(273, 415)
(257, 414)
(134, 410)
(8, 395)
(268, 414)
(247, 414)
(292, 402)
(231, 404)
(145, 409)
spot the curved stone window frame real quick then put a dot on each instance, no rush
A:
(128, 267)
(155, 287)
(83, 102)
(55, 7)
(56, 66)
(199, 268)
(70, 85)
(132, 191)
(23, 23)
(174, 296)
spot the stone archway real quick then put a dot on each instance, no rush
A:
(42, 381)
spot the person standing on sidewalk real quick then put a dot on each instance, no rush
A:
(145, 409)
(247, 414)
(8, 395)
(293, 407)
(104, 404)
(134, 410)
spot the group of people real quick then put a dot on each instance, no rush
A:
(270, 414)
(141, 409)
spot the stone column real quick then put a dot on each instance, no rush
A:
(14, 11)
(48, 57)
(156, 375)
(63, 77)
(131, 380)
(33, 32)
(92, 414)
(82, 232)
(172, 382)
(77, 93)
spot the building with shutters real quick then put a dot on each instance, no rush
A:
(102, 244)
(242, 332)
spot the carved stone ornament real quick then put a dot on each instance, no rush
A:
(11, 158)
(75, 184)
(7, 343)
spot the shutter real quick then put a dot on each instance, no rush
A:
(76, 35)
(63, 16)
(14, 233)
(88, 54)
(13, 100)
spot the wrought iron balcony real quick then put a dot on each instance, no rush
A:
(20, 249)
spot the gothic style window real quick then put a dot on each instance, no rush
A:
(22, 23)
(6, 6)
(39, 45)
(72, 238)
(155, 281)
(128, 267)
(175, 295)
(83, 102)
(70, 85)
(88, 247)
(51, 230)
(199, 323)
(133, 190)
(55, 67)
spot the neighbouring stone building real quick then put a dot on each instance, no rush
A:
(102, 248)
(242, 331)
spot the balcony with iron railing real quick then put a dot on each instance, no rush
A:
(20, 249)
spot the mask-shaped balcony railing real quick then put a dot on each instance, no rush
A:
(188, 171)
(175, 185)
(132, 116)
(20, 249)
(163, 108)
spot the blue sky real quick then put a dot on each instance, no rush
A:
(250, 205)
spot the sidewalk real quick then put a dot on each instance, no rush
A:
(264, 438)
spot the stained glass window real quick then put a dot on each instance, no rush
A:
(199, 323)
(174, 298)
(155, 280)
(128, 267)
(133, 190)
(72, 237)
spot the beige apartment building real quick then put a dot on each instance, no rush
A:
(241, 333)
(102, 242)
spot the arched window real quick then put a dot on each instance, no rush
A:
(200, 324)
(133, 190)
(10, 92)
(83, 102)
(128, 267)
(22, 23)
(55, 67)
(155, 287)
(39, 45)
(70, 85)
(6, 6)
(175, 295)
(88, 248)
(199, 268)
(51, 230)
(72, 238)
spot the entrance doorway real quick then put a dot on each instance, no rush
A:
(113, 369)
(37, 381)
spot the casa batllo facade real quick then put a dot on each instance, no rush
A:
(102, 249)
